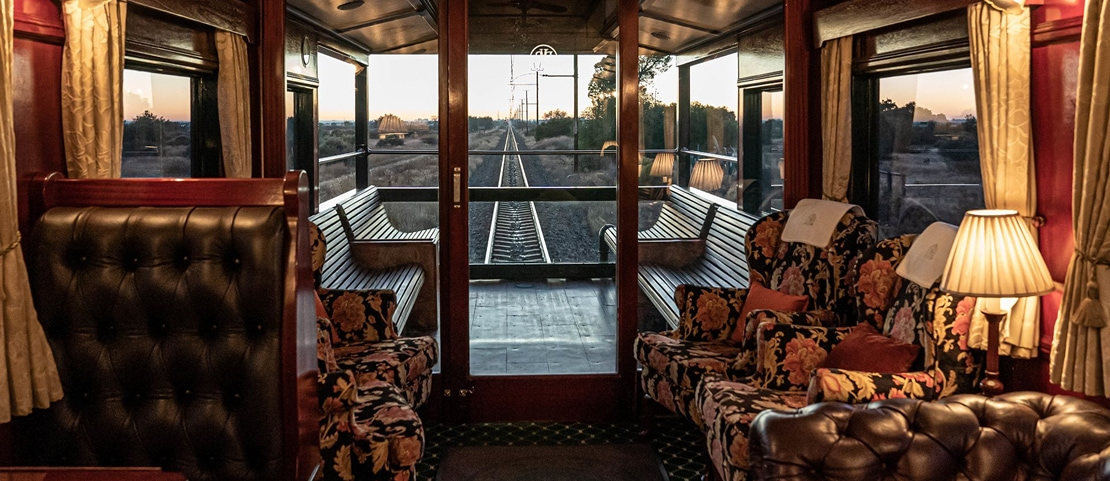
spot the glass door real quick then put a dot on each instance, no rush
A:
(533, 324)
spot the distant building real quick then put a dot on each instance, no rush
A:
(392, 127)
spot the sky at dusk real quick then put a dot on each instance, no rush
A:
(164, 95)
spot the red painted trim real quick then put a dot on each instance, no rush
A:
(549, 398)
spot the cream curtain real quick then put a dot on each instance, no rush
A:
(92, 87)
(1079, 348)
(836, 117)
(28, 377)
(235, 104)
(1000, 60)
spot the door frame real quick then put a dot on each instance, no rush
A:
(585, 398)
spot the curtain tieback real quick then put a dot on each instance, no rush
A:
(1090, 312)
(11, 247)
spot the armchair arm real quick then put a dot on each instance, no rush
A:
(707, 313)
(859, 387)
(338, 391)
(787, 354)
(363, 315)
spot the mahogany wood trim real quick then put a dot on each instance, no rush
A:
(580, 398)
(268, 83)
(56, 191)
(454, 220)
(331, 38)
(628, 179)
(36, 27)
(858, 16)
(233, 16)
(802, 117)
(1064, 30)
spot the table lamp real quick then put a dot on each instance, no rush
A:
(995, 259)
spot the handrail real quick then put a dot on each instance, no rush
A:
(699, 153)
(512, 152)
(506, 194)
(337, 158)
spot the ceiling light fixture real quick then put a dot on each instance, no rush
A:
(661, 35)
(351, 5)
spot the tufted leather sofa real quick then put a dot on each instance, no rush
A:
(176, 329)
(1015, 436)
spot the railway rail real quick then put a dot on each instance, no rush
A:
(515, 236)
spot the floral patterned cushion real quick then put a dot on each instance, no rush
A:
(708, 313)
(728, 408)
(360, 315)
(319, 247)
(787, 354)
(405, 362)
(368, 431)
(859, 387)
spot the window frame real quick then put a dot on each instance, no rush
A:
(934, 44)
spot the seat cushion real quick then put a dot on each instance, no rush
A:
(405, 362)
(727, 409)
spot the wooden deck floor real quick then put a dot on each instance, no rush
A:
(543, 327)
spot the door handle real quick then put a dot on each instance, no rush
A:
(458, 187)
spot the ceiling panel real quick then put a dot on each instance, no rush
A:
(394, 34)
(714, 15)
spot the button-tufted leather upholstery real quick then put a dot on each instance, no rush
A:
(166, 327)
(1015, 436)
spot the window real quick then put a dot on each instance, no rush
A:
(336, 130)
(928, 150)
(157, 126)
(714, 128)
(403, 119)
(762, 181)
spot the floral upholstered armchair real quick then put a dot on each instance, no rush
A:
(369, 430)
(713, 337)
(365, 339)
(371, 382)
(789, 357)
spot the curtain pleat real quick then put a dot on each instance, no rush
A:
(28, 376)
(92, 87)
(1001, 62)
(234, 96)
(1079, 347)
(836, 113)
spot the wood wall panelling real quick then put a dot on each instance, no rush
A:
(234, 16)
(802, 117)
(858, 16)
(268, 85)
(160, 41)
(37, 102)
(301, 53)
(39, 19)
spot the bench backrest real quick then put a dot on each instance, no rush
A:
(175, 328)
(725, 257)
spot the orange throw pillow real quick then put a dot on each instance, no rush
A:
(864, 349)
(320, 310)
(760, 297)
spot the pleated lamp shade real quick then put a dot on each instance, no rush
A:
(994, 256)
(663, 165)
(708, 175)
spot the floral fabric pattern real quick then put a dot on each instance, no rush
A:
(368, 432)
(788, 354)
(672, 368)
(708, 313)
(404, 362)
(728, 409)
(360, 316)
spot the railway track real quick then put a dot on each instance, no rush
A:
(515, 234)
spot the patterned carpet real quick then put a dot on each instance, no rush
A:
(678, 443)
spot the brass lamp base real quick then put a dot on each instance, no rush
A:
(990, 384)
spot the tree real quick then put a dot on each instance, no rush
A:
(144, 130)
(555, 124)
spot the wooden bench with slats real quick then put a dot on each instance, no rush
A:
(365, 251)
(713, 256)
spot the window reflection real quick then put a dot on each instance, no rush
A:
(714, 128)
(928, 150)
(157, 127)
